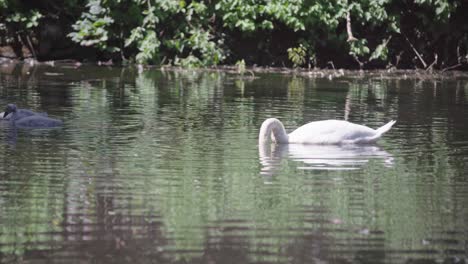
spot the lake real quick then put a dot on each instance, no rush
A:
(162, 166)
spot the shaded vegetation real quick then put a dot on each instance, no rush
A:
(424, 34)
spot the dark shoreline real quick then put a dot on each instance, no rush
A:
(249, 72)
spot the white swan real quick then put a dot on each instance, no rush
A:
(325, 132)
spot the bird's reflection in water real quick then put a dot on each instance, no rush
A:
(11, 133)
(320, 157)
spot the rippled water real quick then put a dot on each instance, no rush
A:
(164, 167)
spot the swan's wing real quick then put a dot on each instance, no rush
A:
(26, 112)
(331, 132)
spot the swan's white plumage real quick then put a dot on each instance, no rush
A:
(322, 132)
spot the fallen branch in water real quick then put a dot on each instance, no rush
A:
(452, 67)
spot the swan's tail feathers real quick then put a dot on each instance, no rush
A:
(385, 127)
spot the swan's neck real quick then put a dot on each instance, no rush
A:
(274, 129)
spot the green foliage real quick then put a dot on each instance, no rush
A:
(249, 16)
(359, 48)
(297, 55)
(148, 47)
(188, 62)
(92, 28)
(160, 30)
(18, 18)
(443, 8)
(201, 33)
(28, 20)
(380, 52)
(21, 20)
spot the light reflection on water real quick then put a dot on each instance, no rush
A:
(164, 167)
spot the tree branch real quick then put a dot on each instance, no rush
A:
(452, 67)
(351, 38)
(417, 53)
(361, 64)
(430, 68)
(31, 47)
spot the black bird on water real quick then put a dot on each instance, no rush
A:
(29, 119)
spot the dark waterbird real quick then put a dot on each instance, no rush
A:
(29, 119)
(12, 111)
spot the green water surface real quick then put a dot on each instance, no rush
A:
(165, 167)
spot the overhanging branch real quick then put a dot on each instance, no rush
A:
(351, 38)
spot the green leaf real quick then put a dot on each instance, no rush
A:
(380, 52)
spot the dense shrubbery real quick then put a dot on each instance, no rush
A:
(341, 33)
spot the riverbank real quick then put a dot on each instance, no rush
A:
(429, 35)
(9, 66)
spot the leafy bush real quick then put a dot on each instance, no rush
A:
(16, 20)
(93, 27)
(160, 30)
(202, 33)
(297, 55)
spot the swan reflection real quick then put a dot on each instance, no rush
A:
(321, 157)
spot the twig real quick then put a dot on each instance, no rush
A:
(398, 58)
(122, 45)
(31, 47)
(331, 63)
(212, 18)
(417, 53)
(361, 64)
(163, 60)
(452, 67)
(432, 64)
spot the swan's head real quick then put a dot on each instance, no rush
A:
(10, 108)
(272, 129)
